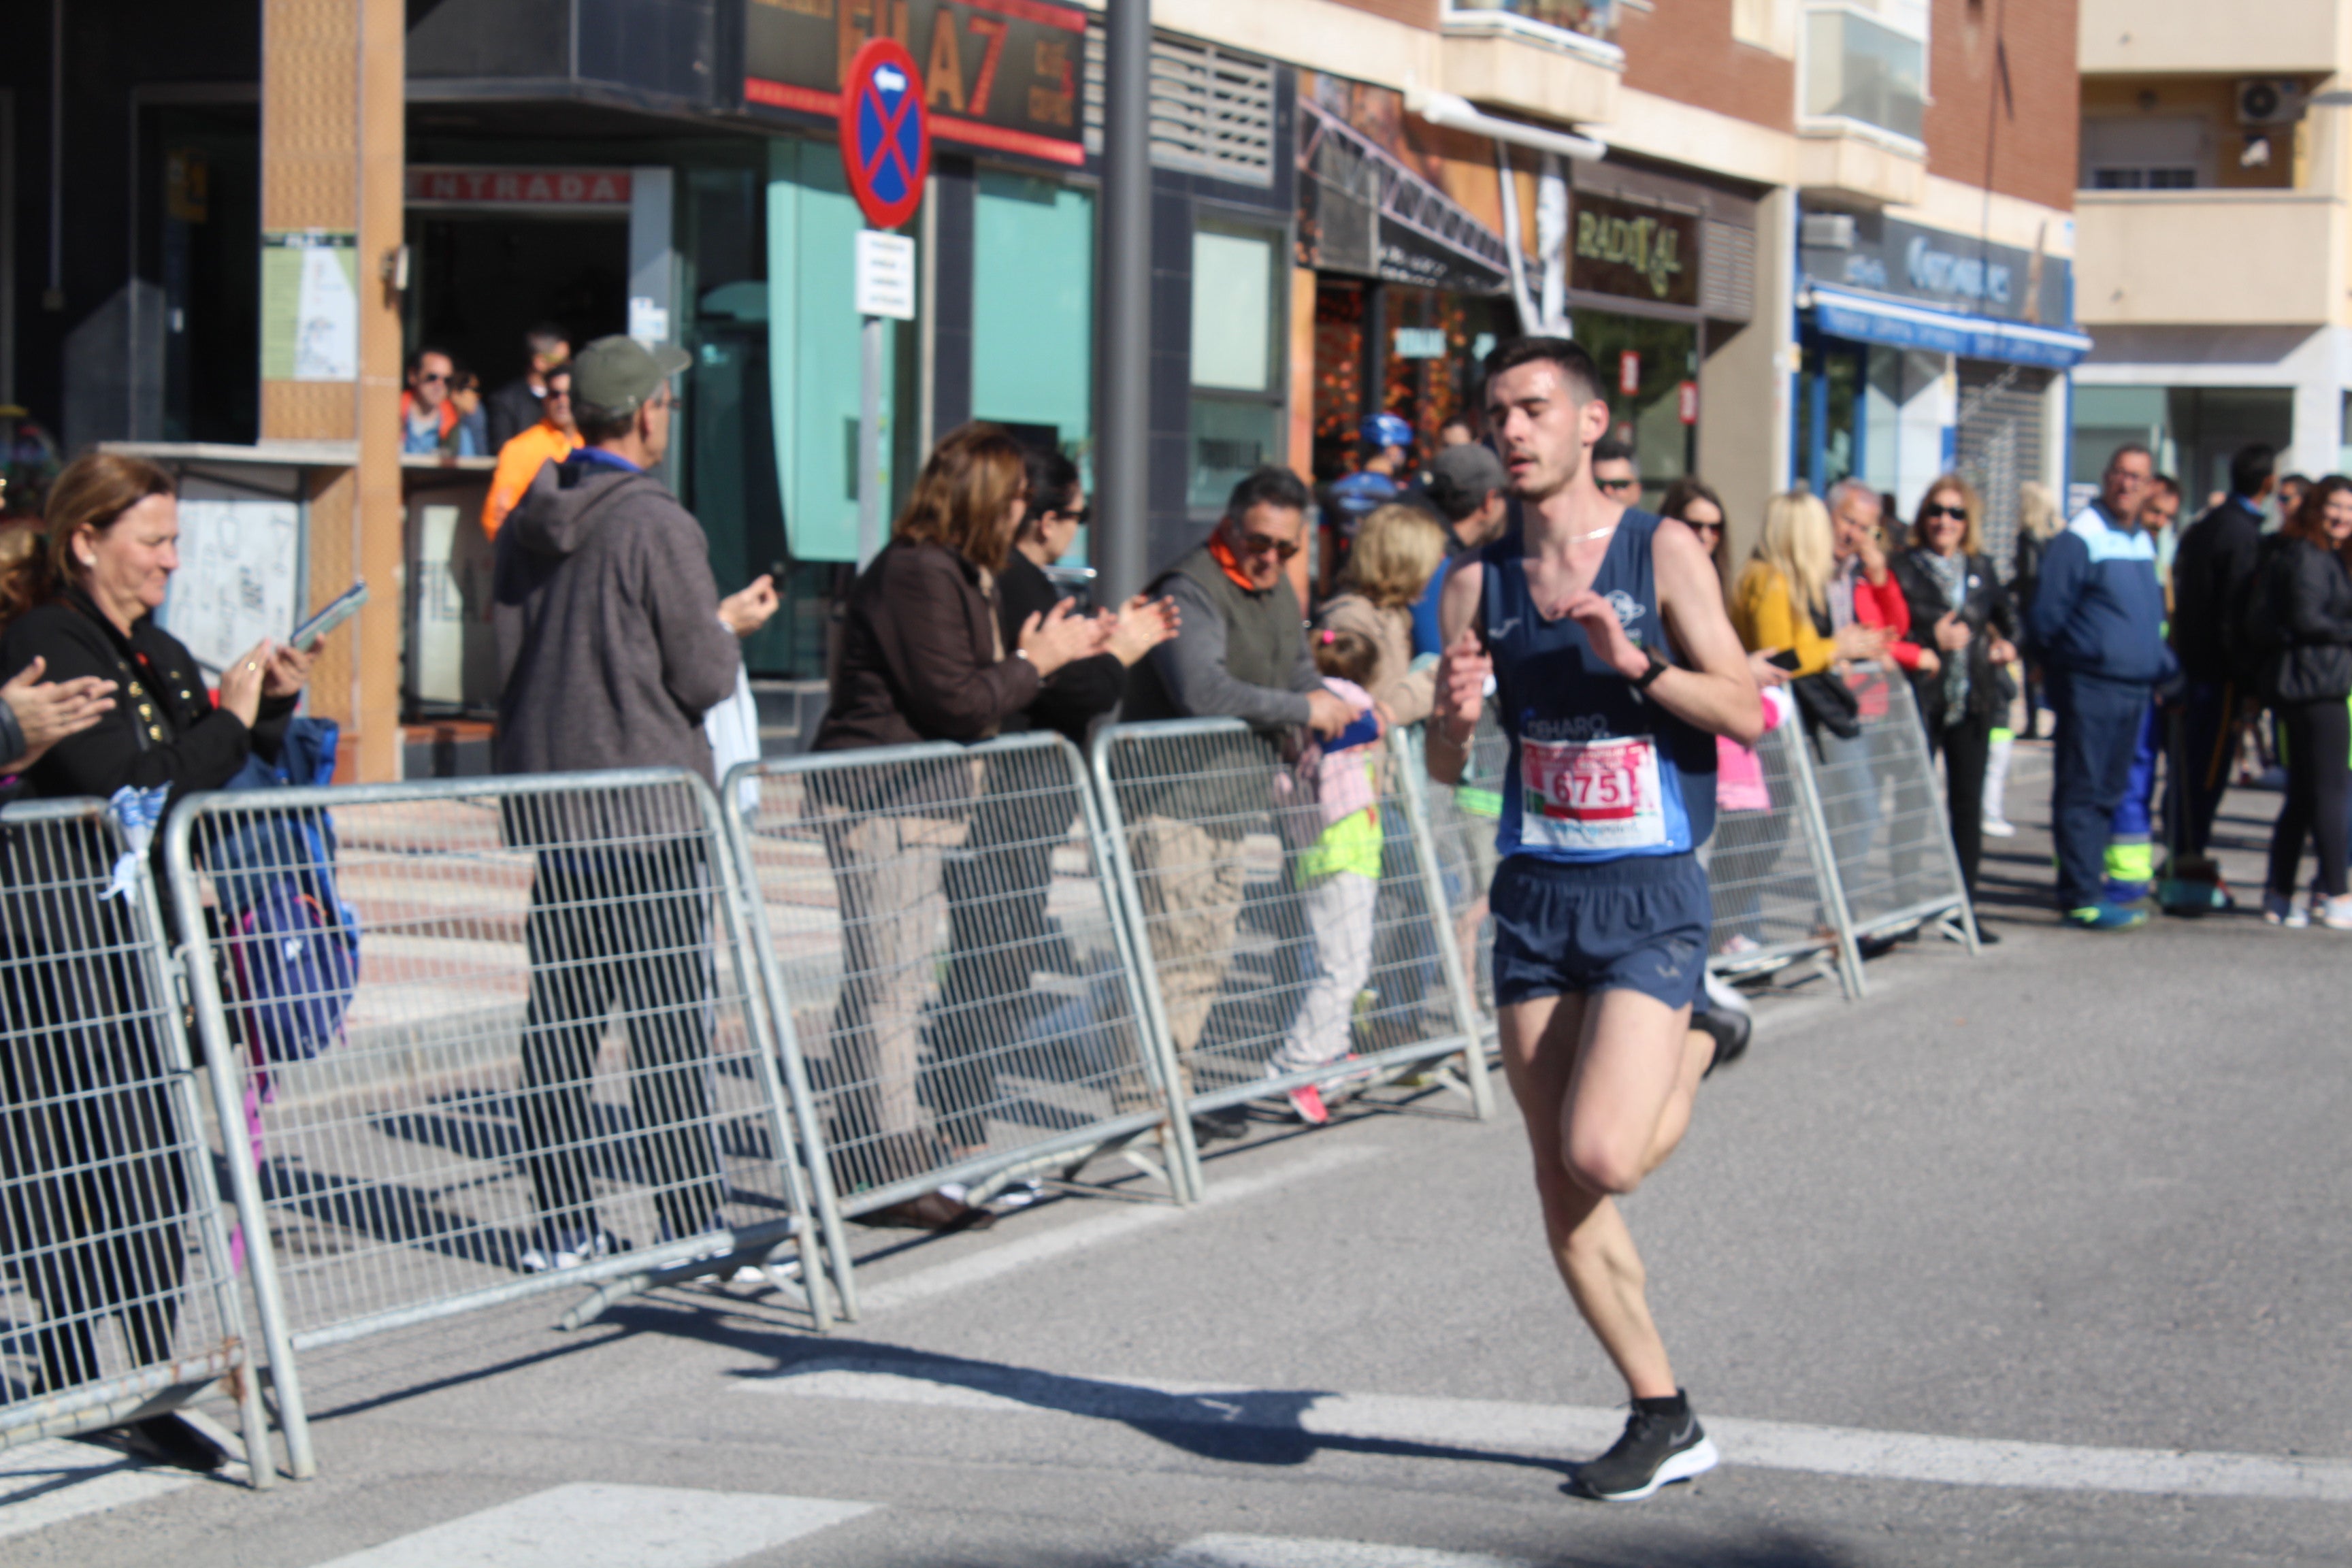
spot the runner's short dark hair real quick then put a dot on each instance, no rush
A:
(1569, 357)
(1268, 484)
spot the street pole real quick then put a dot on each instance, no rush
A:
(871, 484)
(1123, 444)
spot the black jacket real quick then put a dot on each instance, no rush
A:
(163, 728)
(509, 412)
(2306, 598)
(1078, 693)
(2209, 573)
(1985, 607)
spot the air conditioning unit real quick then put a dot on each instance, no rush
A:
(2270, 101)
(1826, 231)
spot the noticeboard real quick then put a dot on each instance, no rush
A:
(1002, 76)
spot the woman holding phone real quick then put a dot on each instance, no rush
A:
(92, 1154)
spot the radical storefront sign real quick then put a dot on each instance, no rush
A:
(1627, 249)
(1001, 75)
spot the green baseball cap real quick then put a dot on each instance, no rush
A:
(617, 374)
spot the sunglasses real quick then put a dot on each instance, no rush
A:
(1709, 527)
(1614, 484)
(431, 377)
(1931, 512)
(1261, 544)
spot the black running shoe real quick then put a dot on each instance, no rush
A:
(1654, 1451)
(1731, 1031)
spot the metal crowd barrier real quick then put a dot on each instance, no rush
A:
(1275, 957)
(1774, 886)
(1890, 838)
(951, 985)
(116, 1281)
(474, 1041)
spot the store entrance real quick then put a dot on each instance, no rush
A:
(480, 282)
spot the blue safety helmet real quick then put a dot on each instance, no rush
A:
(1385, 430)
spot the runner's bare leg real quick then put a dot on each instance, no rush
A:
(1603, 1085)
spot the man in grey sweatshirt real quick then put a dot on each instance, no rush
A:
(612, 641)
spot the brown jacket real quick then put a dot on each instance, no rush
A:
(1409, 693)
(919, 655)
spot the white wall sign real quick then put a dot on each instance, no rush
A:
(885, 275)
(236, 582)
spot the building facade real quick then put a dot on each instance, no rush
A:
(2214, 187)
(1806, 240)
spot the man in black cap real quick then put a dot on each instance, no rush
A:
(613, 643)
(1472, 492)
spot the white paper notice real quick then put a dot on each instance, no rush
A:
(327, 336)
(236, 582)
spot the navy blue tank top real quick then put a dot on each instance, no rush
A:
(1598, 771)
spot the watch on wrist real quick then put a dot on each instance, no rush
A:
(1658, 667)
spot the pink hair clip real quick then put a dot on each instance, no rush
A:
(1330, 636)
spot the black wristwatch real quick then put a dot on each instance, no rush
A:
(1658, 667)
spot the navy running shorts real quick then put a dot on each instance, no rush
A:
(1636, 924)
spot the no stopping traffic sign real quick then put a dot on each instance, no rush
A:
(886, 133)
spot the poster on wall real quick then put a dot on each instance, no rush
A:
(310, 305)
(236, 584)
(998, 75)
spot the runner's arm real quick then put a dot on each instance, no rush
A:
(1718, 691)
(1462, 670)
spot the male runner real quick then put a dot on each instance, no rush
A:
(1615, 668)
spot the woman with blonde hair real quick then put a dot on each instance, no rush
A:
(1959, 604)
(1396, 553)
(1780, 603)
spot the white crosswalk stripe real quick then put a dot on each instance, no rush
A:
(1273, 1551)
(600, 1525)
(1502, 1428)
(42, 1484)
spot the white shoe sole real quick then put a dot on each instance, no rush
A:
(2000, 830)
(1696, 1460)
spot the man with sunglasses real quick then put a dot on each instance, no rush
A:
(1601, 628)
(1240, 651)
(430, 422)
(1614, 473)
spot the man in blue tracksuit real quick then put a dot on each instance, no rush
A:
(2097, 626)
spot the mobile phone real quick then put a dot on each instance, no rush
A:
(339, 609)
(1786, 659)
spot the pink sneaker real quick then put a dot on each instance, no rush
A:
(1307, 1102)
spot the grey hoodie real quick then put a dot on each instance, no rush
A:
(607, 618)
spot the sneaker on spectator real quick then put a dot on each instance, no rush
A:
(1306, 1103)
(2104, 917)
(2000, 828)
(566, 1249)
(2279, 910)
(1738, 942)
(2334, 913)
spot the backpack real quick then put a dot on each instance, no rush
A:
(295, 957)
(297, 967)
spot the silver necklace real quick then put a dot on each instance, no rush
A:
(1580, 538)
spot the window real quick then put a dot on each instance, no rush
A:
(2148, 153)
(1236, 396)
(1868, 63)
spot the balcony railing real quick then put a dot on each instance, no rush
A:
(2218, 257)
(1585, 18)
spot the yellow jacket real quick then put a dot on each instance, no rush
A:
(520, 462)
(1766, 614)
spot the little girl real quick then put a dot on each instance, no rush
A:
(1339, 869)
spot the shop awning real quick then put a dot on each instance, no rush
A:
(1874, 318)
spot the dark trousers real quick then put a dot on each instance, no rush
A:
(626, 928)
(2200, 773)
(93, 1190)
(2318, 778)
(1966, 747)
(2098, 733)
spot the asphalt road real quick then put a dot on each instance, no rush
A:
(2036, 1258)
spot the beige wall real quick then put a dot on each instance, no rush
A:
(2217, 257)
(2234, 38)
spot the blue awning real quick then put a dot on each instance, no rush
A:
(1871, 319)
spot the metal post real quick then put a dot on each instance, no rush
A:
(1815, 824)
(1406, 756)
(870, 441)
(1123, 475)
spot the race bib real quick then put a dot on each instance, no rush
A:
(1592, 795)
